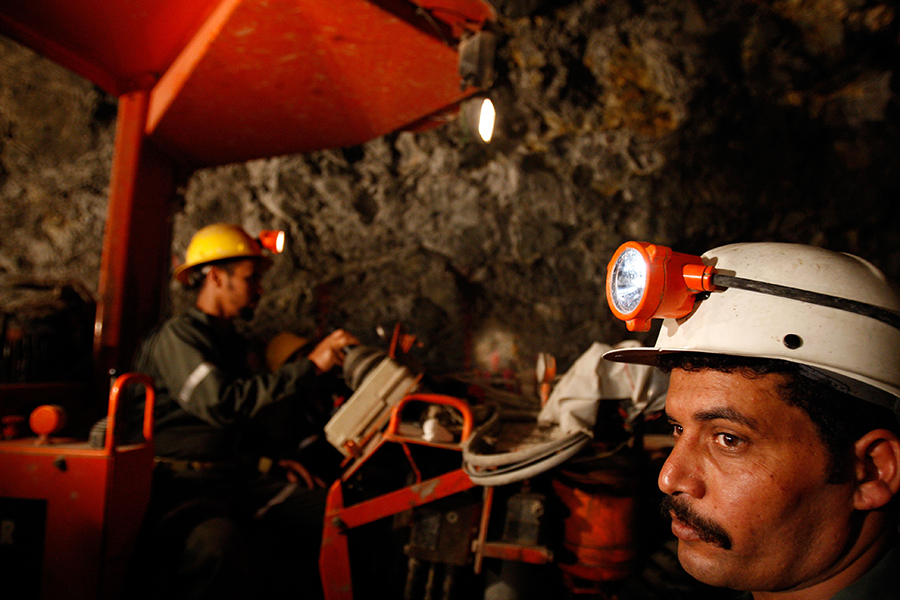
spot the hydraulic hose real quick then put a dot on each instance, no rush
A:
(501, 468)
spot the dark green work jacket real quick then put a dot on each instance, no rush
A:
(881, 582)
(208, 395)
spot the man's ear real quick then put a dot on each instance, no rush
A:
(215, 275)
(877, 469)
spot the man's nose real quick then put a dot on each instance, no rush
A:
(682, 473)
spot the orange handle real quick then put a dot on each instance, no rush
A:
(149, 399)
(461, 405)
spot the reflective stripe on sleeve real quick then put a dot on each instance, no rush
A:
(193, 380)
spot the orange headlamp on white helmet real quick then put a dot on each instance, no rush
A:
(826, 310)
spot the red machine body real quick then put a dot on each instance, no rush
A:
(282, 77)
(464, 524)
(600, 529)
(70, 513)
(342, 516)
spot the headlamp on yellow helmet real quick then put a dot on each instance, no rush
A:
(223, 241)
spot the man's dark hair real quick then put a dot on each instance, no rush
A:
(840, 419)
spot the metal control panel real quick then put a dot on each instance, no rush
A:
(368, 409)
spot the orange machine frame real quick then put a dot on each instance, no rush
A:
(88, 503)
(334, 559)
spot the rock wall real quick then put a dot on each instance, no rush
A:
(56, 137)
(690, 123)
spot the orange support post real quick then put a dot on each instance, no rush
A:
(136, 247)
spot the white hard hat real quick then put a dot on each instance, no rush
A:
(855, 347)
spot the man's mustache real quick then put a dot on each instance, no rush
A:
(708, 530)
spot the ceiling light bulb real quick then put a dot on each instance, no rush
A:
(486, 120)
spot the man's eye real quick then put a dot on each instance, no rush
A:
(728, 440)
(677, 429)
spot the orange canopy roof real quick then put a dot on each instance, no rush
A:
(233, 80)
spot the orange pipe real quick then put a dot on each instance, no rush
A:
(461, 405)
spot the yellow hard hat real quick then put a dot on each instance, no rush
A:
(217, 242)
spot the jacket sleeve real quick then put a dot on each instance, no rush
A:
(201, 388)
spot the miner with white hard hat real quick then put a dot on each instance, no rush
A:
(213, 422)
(783, 400)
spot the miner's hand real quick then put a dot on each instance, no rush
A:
(329, 353)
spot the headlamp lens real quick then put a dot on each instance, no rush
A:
(629, 281)
(645, 281)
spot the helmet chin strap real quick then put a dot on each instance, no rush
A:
(860, 308)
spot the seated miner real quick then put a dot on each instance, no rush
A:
(783, 401)
(218, 526)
